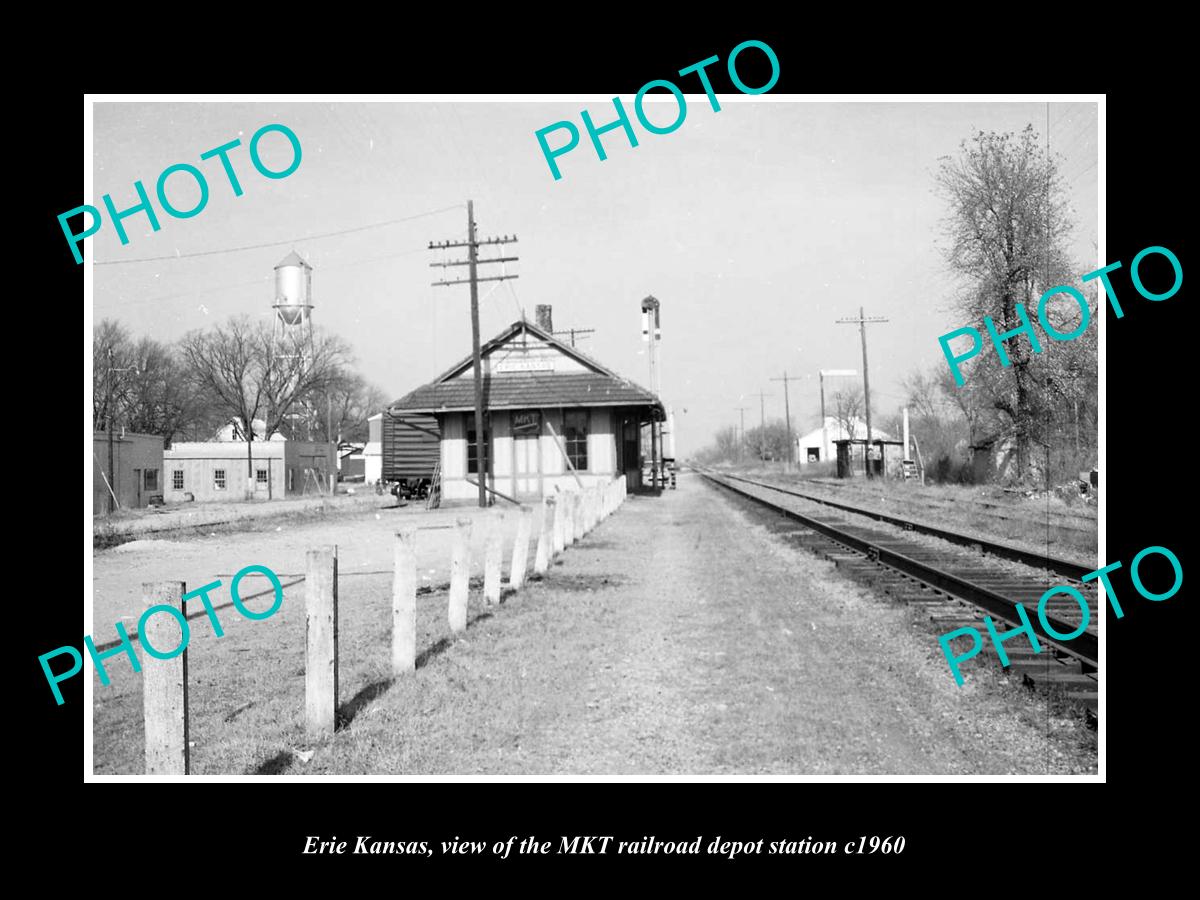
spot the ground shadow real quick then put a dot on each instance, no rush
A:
(276, 765)
(431, 651)
(351, 708)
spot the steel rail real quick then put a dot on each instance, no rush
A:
(1085, 647)
(1063, 567)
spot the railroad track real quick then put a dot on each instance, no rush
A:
(950, 586)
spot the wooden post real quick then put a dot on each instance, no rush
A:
(165, 682)
(560, 529)
(460, 575)
(493, 559)
(520, 554)
(404, 602)
(321, 645)
(545, 545)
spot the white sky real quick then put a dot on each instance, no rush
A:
(756, 227)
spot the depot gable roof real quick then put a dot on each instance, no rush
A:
(520, 374)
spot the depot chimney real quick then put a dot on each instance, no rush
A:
(544, 320)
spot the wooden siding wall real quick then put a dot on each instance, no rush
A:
(407, 451)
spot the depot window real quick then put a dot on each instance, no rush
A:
(473, 450)
(219, 479)
(177, 479)
(575, 434)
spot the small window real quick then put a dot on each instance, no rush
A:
(260, 475)
(575, 433)
(219, 479)
(473, 450)
(177, 480)
(151, 476)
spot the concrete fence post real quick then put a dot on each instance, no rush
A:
(460, 575)
(520, 554)
(560, 527)
(493, 558)
(165, 681)
(569, 518)
(545, 545)
(404, 602)
(321, 642)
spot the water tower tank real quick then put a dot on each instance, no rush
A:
(293, 281)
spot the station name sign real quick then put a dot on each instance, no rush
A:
(527, 422)
(524, 365)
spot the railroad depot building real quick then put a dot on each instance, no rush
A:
(555, 419)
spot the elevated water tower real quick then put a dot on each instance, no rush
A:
(291, 333)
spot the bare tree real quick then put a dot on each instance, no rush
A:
(847, 404)
(142, 384)
(1006, 234)
(249, 377)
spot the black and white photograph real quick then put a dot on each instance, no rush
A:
(693, 433)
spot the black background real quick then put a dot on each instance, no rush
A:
(962, 828)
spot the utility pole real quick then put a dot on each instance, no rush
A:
(473, 279)
(861, 322)
(574, 331)
(787, 415)
(762, 424)
(742, 436)
(108, 408)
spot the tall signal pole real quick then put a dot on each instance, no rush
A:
(787, 415)
(472, 262)
(861, 322)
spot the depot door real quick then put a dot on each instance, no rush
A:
(526, 466)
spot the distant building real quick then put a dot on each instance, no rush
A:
(555, 419)
(217, 469)
(819, 445)
(137, 464)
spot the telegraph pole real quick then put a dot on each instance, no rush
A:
(861, 322)
(574, 331)
(473, 279)
(787, 414)
(742, 435)
(762, 424)
(113, 503)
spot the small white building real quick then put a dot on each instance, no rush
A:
(221, 469)
(818, 445)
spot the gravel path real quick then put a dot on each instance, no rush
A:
(681, 637)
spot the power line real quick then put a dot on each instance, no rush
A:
(311, 237)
